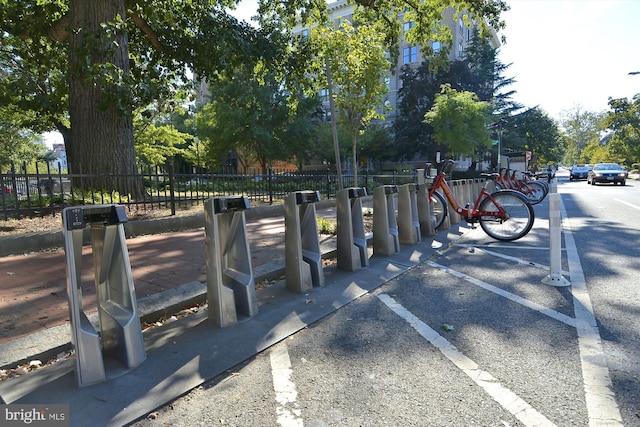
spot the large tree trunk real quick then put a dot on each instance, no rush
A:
(101, 137)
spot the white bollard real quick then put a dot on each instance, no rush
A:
(555, 277)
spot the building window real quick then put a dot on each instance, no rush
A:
(324, 95)
(305, 33)
(460, 49)
(436, 47)
(407, 26)
(410, 54)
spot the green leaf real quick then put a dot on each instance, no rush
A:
(447, 327)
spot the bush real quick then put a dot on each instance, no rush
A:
(326, 226)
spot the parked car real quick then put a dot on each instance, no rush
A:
(578, 172)
(607, 172)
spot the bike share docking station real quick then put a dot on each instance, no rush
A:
(385, 225)
(351, 240)
(230, 283)
(408, 221)
(119, 339)
(303, 257)
(426, 216)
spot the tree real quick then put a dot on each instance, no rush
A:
(598, 153)
(19, 144)
(376, 143)
(533, 130)
(256, 116)
(624, 120)
(580, 128)
(83, 66)
(480, 72)
(459, 121)
(155, 144)
(358, 65)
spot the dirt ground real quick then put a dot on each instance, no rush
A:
(54, 222)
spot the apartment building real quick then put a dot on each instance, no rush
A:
(410, 55)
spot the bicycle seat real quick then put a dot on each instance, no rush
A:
(494, 175)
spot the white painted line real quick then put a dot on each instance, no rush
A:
(288, 413)
(499, 246)
(601, 403)
(628, 204)
(513, 297)
(510, 258)
(519, 408)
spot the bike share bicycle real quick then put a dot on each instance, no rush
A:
(534, 191)
(504, 214)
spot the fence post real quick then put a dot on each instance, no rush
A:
(366, 179)
(172, 195)
(328, 183)
(270, 185)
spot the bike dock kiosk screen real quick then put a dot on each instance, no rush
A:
(118, 343)
(351, 239)
(230, 283)
(303, 257)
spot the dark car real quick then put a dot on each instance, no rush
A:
(578, 172)
(607, 172)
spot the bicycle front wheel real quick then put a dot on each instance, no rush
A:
(520, 215)
(438, 209)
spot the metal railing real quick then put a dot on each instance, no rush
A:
(46, 190)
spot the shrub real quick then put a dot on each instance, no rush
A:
(326, 226)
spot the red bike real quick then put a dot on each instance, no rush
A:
(504, 215)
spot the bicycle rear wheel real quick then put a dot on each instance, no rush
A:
(534, 193)
(519, 211)
(438, 209)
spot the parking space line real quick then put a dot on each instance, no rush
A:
(601, 404)
(288, 412)
(513, 297)
(518, 407)
(628, 204)
(510, 258)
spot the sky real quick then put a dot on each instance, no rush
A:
(564, 54)
(569, 54)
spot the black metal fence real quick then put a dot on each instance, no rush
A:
(46, 190)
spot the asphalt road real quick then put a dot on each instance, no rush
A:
(470, 337)
(606, 229)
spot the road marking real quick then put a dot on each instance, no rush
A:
(513, 297)
(507, 257)
(519, 408)
(627, 203)
(601, 404)
(499, 246)
(288, 413)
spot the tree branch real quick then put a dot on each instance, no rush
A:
(148, 31)
(59, 31)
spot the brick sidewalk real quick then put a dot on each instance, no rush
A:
(33, 293)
